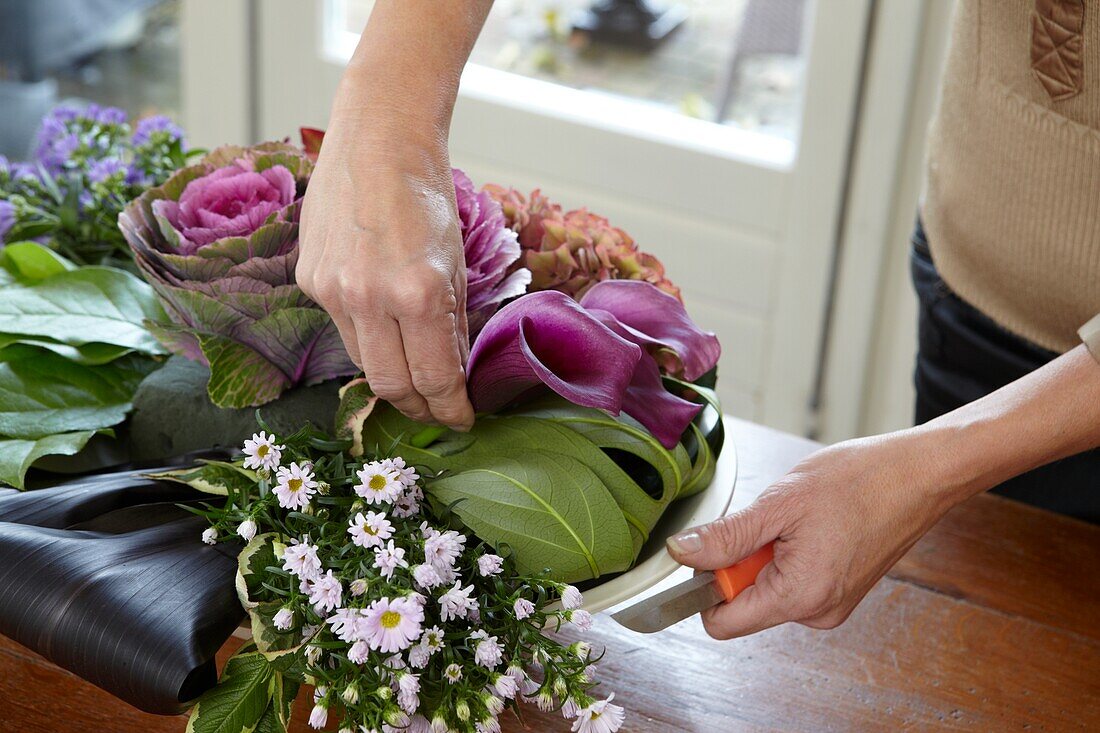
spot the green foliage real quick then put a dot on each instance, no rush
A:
(73, 349)
(240, 700)
(567, 488)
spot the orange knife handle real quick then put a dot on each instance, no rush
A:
(736, 578)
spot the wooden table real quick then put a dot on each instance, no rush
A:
(991, 622)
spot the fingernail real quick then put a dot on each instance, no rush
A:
(687, 543)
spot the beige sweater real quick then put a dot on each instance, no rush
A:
(1012, 195)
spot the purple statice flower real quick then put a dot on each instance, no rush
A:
(7, 218)
(146, 128)
(100, 170)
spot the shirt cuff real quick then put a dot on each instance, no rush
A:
(1090, 334)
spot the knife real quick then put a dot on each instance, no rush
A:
(704, 591)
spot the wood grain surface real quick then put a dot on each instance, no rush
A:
(991, 622)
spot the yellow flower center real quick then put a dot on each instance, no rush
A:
(294, 484)
(369, 529)
(377, 482)
(261, 451)
(391, 619)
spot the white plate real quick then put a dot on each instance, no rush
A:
(654, 563)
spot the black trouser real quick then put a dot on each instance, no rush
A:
(963, 356)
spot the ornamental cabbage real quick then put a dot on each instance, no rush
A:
(219, 243)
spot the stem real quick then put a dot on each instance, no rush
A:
(427, 436)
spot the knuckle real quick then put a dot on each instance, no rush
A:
(437, 384)
(392, 389)
(425, 294)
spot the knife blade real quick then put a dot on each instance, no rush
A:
(704, 591)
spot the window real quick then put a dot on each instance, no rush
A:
(735, 64)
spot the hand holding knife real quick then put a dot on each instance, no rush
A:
(693, 596)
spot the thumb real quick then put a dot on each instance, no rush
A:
(725, 541)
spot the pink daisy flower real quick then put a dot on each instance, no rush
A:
(378, 484)
(387, 559)
(301, 559)
(325, 593)
(392, 626)
(294, 486)
(407, 475)
(370, 530)
(261, 452)
(600, 717)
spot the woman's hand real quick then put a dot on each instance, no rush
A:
(381, 248)
(841, 519)
(381, 251)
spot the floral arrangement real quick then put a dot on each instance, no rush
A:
(358, 584)
(88, 164)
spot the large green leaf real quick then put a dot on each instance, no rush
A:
(89, 305)
(621, 433)
(49, 394)
(14, 347)
(29, 262)
(494, 453)
(552, 510)
(17, 456)
(239, 700)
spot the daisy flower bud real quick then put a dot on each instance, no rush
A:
(523, 608)
(581, 619)
(488, 652)
(489, 565)
(419, 656)
(350, 695)
(453, 673)
(570, 709)
(313, 655)
(488, 725)
(462, 710)
(283, 619)
(210, 536)
(506, 686)
(323, 487)
(318, 717)
(247, 529)
(439, 723)
(571, 598)
(359, 653)
(561, 689)
(581, 649)
(545, 701)
(493, 704)
(384, 693)
(358, 587)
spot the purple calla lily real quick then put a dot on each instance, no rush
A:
(654, 318)
(592, 356)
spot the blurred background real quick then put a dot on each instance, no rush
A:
(767, 150)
